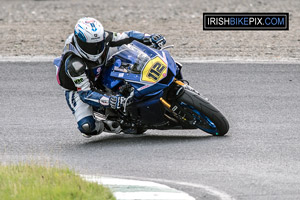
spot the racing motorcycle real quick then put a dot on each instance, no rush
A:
(156, 95)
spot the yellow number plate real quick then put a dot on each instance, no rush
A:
(155, 70)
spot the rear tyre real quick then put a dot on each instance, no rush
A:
(205, 116)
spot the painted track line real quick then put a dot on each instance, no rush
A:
(210, 190)
(207, 189)
(128, 189)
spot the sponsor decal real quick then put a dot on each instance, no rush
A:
(104, 101)
(89, 21)
(78, 81)
(118, 69)
(98, 70)
(97, 73)
(97, 38)
(144, 87)
(93, 27)
(155, 70)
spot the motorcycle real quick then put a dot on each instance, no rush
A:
(157, 96)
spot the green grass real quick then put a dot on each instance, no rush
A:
(30, 182)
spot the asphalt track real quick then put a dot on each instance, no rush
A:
(258, 159)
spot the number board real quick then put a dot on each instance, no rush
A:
(155, 70)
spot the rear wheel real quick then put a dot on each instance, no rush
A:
(202, 114)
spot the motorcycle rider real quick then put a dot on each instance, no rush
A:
(85, 54)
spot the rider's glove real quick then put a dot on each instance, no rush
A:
(116, 102)
(157, 40)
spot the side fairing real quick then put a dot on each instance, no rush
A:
(57, 64)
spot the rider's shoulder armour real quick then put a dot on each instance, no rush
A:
(69, 51)
(75, 65)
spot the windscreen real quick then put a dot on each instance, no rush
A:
(133, 59)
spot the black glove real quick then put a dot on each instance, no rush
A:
(157, 40)
(116, 102)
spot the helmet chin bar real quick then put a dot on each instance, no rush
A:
(90, 57)
(93, 58)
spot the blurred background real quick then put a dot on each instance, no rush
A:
(39, 27)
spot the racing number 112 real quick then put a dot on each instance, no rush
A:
(156, 71)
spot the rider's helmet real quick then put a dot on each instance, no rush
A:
(89, 38)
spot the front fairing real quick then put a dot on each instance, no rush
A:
(148, 70)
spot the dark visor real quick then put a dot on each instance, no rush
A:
(91, 48)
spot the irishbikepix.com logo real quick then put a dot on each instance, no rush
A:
(246, 21)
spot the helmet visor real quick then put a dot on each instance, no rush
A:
(91, 48)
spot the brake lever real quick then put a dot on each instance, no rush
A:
(167, 47)
(127, 99)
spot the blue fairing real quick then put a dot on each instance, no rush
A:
(171, 63)
(150, 111)
(153, 52)
(57, 61)
(128, 65)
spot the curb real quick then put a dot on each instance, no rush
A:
(128, 189)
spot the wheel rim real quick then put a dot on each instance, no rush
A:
(201, 121)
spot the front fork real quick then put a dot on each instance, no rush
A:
(175, 91)
(170, 103)
(174, 107)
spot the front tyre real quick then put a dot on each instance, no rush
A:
(135, 131)
(202, 114)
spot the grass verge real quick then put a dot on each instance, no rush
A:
(32, 182)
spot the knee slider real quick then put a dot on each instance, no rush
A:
(87, 125)
(86, 128)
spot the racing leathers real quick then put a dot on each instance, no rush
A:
(79, 77)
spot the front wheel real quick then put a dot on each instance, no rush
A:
(202, 114)
(135, 131)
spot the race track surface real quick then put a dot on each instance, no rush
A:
(258, 159)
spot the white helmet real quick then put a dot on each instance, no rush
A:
(89, 38)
